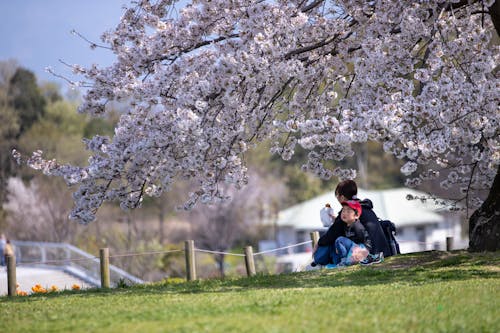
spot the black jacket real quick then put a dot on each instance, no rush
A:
(358, 234)
(334, 231)
(370, 221)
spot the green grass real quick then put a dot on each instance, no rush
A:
(426, 292)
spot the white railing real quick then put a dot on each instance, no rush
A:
(70, 259)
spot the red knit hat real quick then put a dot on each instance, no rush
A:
(353, 204)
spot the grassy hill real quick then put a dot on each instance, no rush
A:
(425, 292)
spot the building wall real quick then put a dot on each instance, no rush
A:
(430, 237)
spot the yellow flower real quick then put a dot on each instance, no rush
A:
(75, 287)
(54, 288)
(21, 293)
(38, 289)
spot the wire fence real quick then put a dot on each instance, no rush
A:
(191, 263)
(37, 260)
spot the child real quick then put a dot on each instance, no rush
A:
(356, 244)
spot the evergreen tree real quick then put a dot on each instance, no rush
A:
(26, 98)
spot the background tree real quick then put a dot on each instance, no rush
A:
(38, 207)
(26, 98)
(21, 105)
(39, 211)
(58, 132)
(207, 86)
(9, 130)
(220, 226)
(166, 207)
(9, 127)
(50, 91)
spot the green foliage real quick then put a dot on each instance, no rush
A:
(173, 263)
(9, 122)
(122, 283)
(383, 168)
(9, 130)
(302, 186)
(98, 126)
(50, 92)
(26, 98)
(101, 126)
(437, 292)
(58, 133)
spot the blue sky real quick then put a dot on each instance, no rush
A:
(37, 33)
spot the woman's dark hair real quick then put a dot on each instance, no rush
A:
(347, 188)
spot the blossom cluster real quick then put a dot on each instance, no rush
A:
(207, 85)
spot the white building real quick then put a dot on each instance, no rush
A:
(420, 226)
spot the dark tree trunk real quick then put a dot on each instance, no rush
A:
(161, 218)
(220, 264)
(362, 163)
(484, 224)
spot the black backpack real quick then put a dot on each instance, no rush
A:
(390, 232)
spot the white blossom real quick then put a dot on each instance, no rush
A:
(220, 77)
(409, 167)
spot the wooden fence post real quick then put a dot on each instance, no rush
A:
(104, 256)
(11, 275)
(449, 243)
(314, 238)
(190, 260)
(249, 262)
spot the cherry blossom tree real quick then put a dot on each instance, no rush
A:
(39, 211)
(208, 83)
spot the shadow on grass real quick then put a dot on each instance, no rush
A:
(409, 269)
(420, 268)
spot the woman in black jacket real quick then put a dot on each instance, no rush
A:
(324, 251)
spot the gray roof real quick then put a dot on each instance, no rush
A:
(387, 204)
